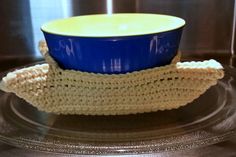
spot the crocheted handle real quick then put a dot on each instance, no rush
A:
(177, 58)
(43, 48)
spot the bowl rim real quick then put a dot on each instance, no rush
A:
(45, 29)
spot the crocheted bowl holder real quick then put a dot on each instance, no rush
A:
(52, 89)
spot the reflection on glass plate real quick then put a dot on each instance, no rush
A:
(209, 119)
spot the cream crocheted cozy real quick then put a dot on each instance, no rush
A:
(51, 89)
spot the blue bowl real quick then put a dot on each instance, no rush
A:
(114, 44)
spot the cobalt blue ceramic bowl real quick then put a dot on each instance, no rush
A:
(114, 44)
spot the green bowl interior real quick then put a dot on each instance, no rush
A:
(104, 25)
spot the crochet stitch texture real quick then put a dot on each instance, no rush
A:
(52, 89)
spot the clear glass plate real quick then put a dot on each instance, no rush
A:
(208, 120)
